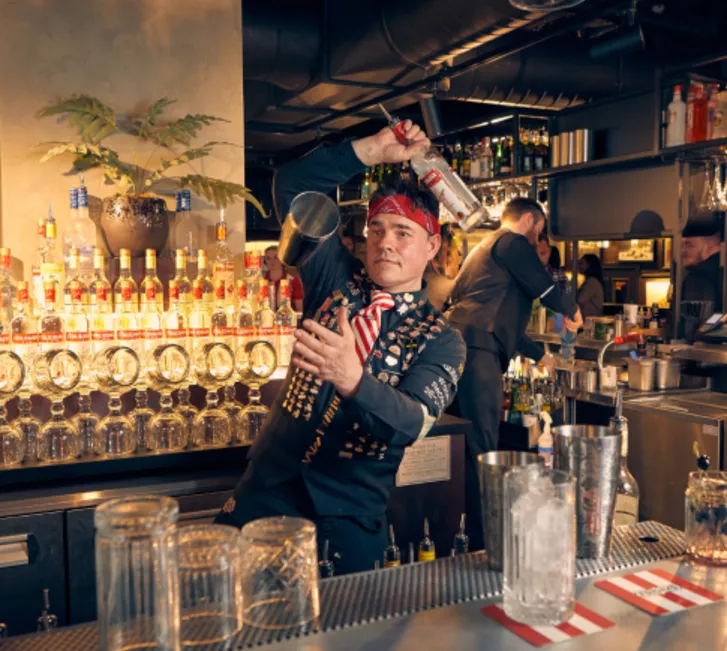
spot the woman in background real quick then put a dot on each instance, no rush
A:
(590, 295)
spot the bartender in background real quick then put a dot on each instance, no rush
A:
(490, 305)
(700, 256)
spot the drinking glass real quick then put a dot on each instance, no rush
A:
(256, 361)
(12, 440)
(168, 368)
(115, 369)
(214, 364)
(57, 373)
(279, 573)
(706, 201)
(540, 546)
(137, 582)
(29, 425)
(209, 584)
(705, 517)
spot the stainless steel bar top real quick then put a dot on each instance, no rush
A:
(581, 342)
(372, 610)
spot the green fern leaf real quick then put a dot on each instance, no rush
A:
(184, 130)
(153, 114)
(92, 119)
(220, 193)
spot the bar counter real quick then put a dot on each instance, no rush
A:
(438, 605)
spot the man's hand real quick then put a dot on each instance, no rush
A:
(576, 323)
(330, 356)
(383, 147)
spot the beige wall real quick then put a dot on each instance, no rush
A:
(127, 53)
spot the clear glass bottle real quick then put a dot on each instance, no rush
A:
(182, 280)
(222, 329)
(152, 333)
(265, 317)
(78, 331)
(245, 319)
(99, 289)
(24, 331)
(103, 321)
(151, 289)
(626, 511)
(136, 554)
(204, 280)
(81, 233)
(253, 276)
(187, 231)
(200, 321)
(140, 417)
(8, 286)
(176, 329)
(37, 285)
(285, 322)
(51, 264)
(50, 323)
(186, 409)
(223, 268)
(29, 425)
(126, 291)
(74, 287)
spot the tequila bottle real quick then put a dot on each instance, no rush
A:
(223, 268)
(253, 275)
(103, 324)
(265, 317)
(99, 290)
(51, 264)
(222, 329)
(24, 331)
(200, 321)
(184, 285)
(37, 286)
(50, 323)
(75, 290)
(8, 287)
(204, 280)
(77, 329)
(186, 409)
(176, 329)
(285, 322)
(126, 291)
(151, 289)
(245, 319)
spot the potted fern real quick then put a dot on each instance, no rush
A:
(135, 216)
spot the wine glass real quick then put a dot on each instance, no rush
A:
(214, 365)
(168, 368)
(706, 200)
(116, 368)
(29, 425)
(57, 373)
(256, 361)
(12, 441)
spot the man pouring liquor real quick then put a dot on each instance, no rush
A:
(490, 305)
(374, 365)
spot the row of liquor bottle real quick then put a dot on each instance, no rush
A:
(422, 552)
(198, 310)
(702, 117)
(522, 395)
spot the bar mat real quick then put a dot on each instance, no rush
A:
(358, 599)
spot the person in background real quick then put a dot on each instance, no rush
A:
(700, 255)
(275, 273)
(590, 294)
(491, 305)
(349, 243)
(544, 250)
(438, 275)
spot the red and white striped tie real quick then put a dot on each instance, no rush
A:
(367, 323)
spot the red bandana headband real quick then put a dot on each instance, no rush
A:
(398, 204)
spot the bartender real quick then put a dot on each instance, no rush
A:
(490, 305)
(374, 366)
(700, 256)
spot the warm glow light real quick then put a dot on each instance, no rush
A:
(657, 291)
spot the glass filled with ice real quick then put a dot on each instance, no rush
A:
(540, 546)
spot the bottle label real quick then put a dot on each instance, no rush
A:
(150, 293)
(24, 339)
(174, 292)
(197, 292)
(434, 180)
(245, 332)
(242, 290)
(223, 331)
(220, 292)
(23, 295)
(176, 333)
(102, 335)
(626, 511)
(126, 291)
(128, 335)
(50, 230)
(426, 556)
(266, 332)
(79, 337)
(51, 337)
(50, 295)
(199, 332)
(221, 232)
(4, 339)
(101, 294)
(284, 290)
(5, 259)
(41, 228)
(253, 261)
(76, 292)
(224, 267)
(151, 335)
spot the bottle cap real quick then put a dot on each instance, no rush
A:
(151, 259)
(125, 258)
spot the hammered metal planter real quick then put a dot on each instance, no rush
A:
(134, 222)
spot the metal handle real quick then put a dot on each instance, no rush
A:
(14, 550)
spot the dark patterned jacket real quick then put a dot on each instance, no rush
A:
(348, 450)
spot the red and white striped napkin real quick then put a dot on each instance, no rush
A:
(583, 622)
(658, 592)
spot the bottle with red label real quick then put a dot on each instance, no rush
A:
(462, 206)
(253, 276)
(77, 329)
(75, 290)
(265, 317)
(126, 291)
(223, 268)
(285, 322)
(99, 291)
(222, 328)
(176, 330)
(200, 320)
(8, 287)
(697, 113)
(151, 325)
(244, 319)
(24, 328)
(50, 323)
(151, 285)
